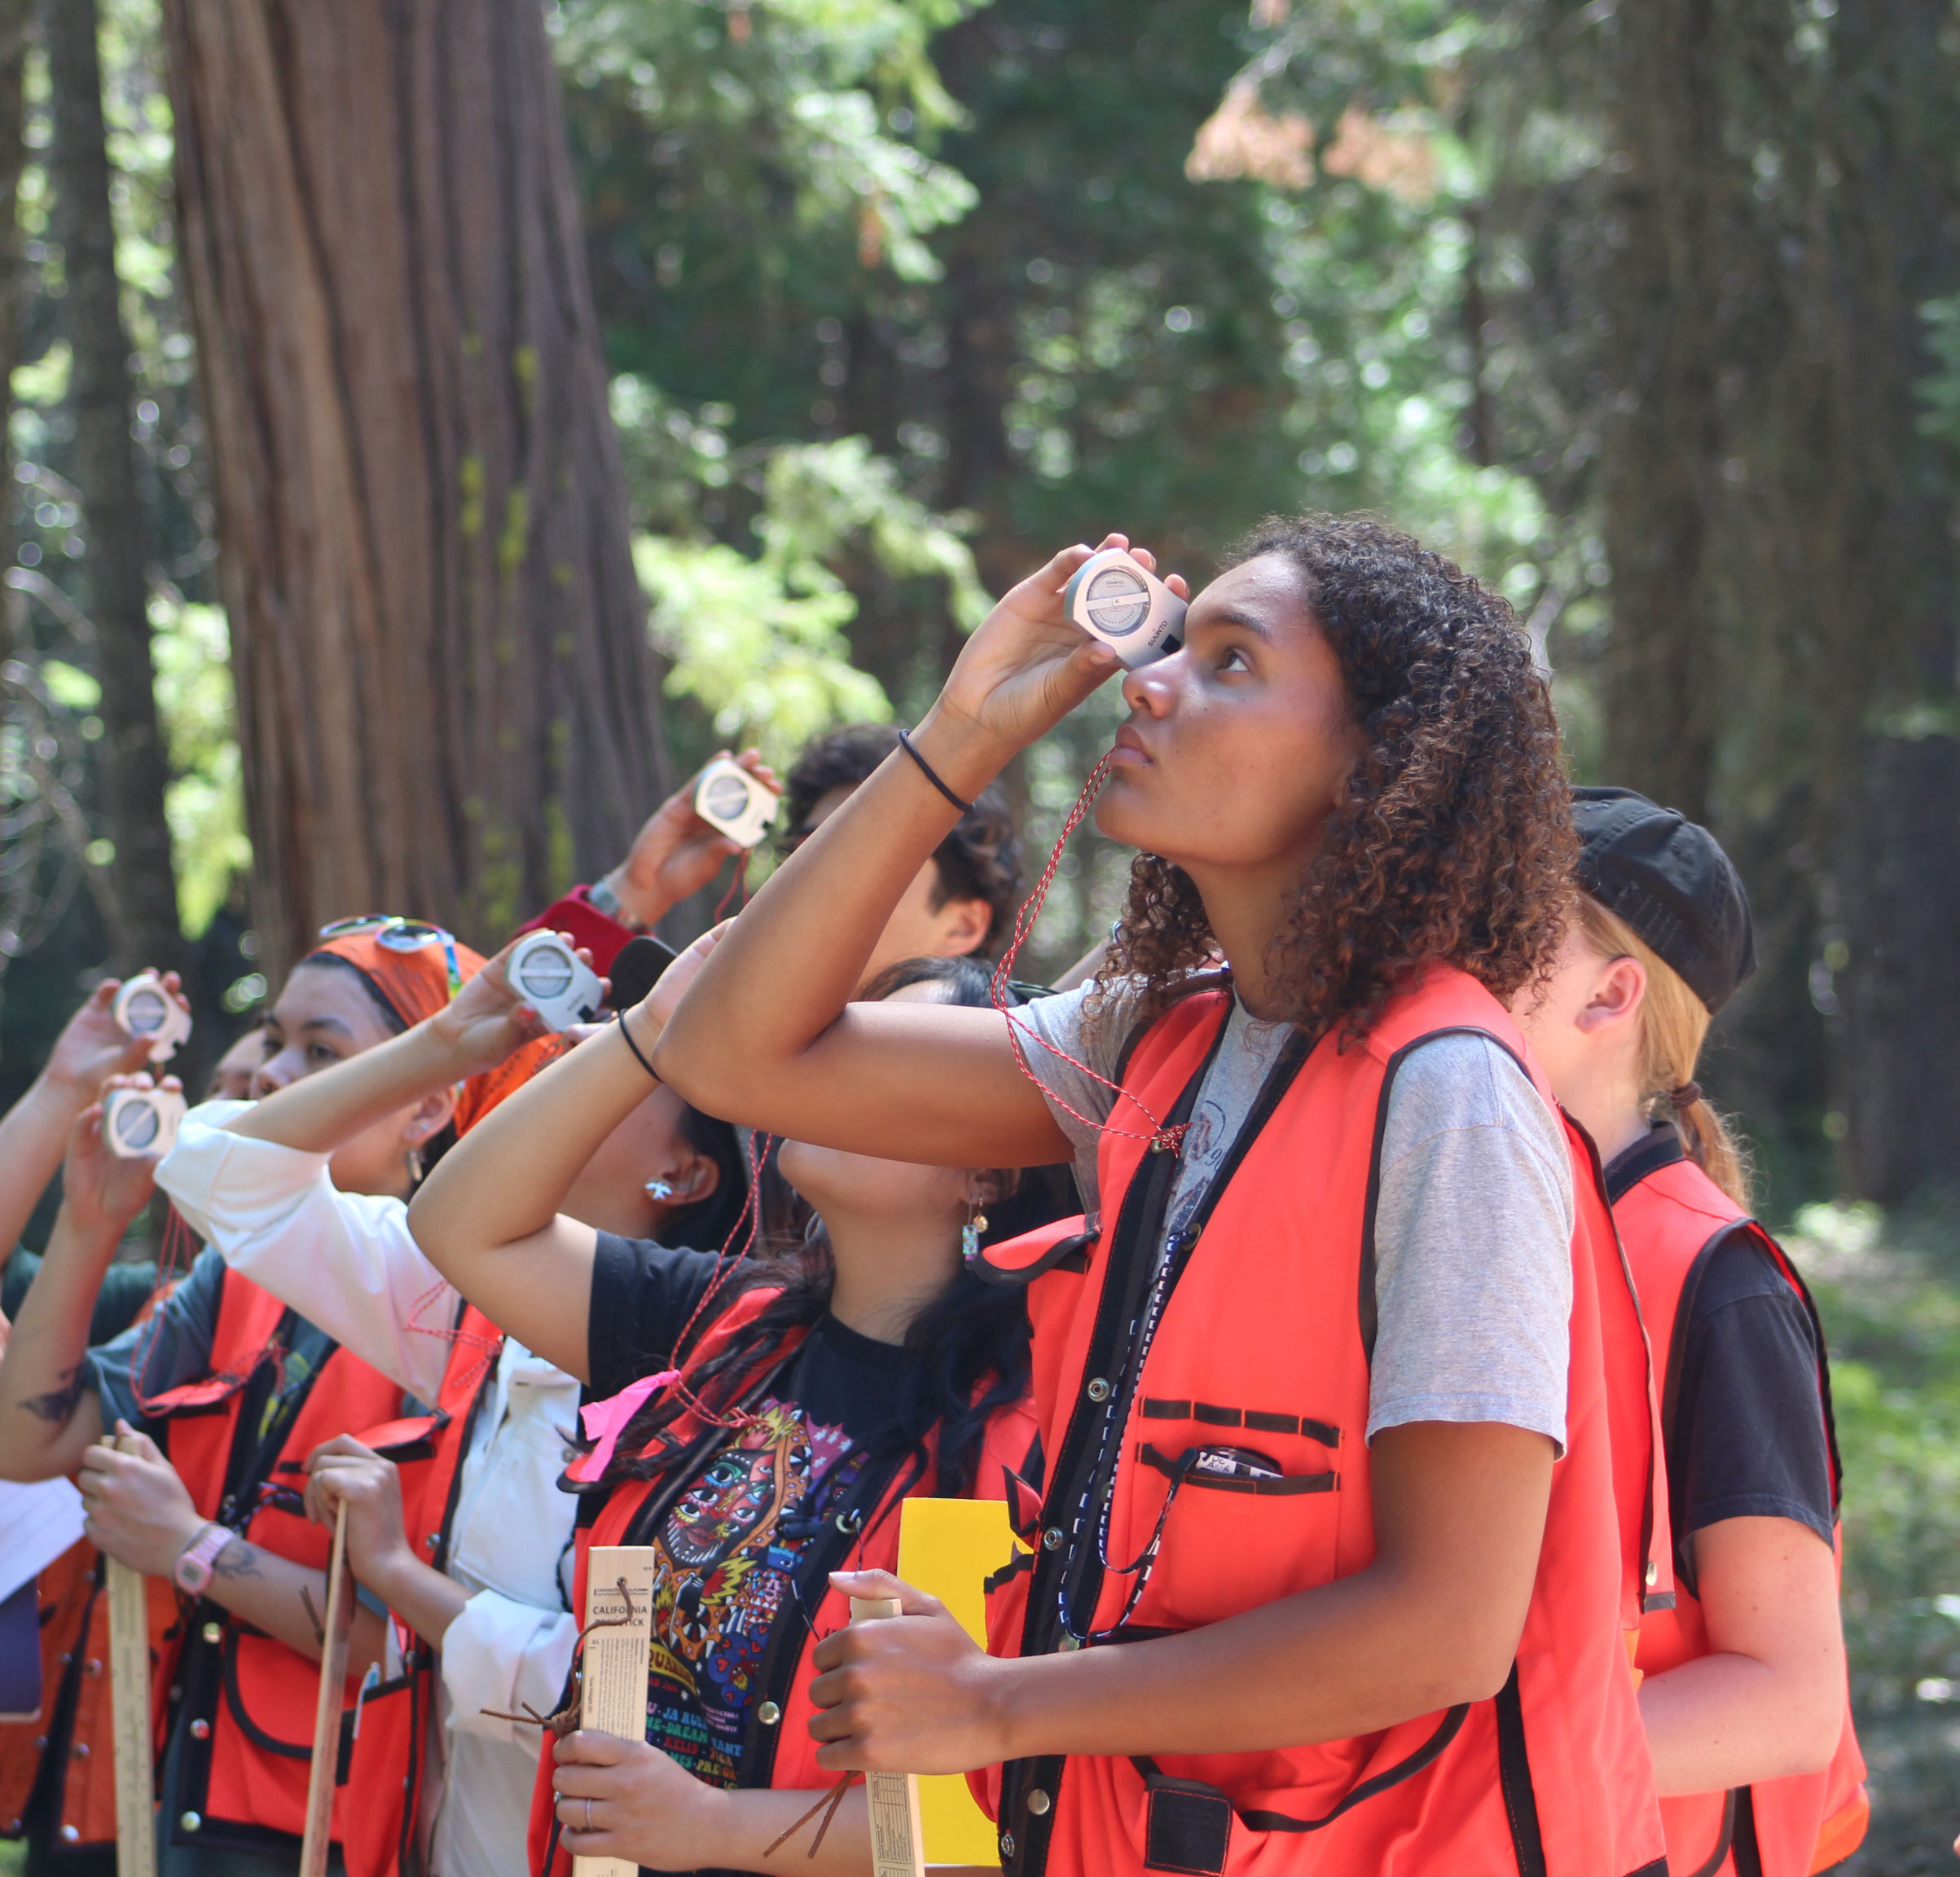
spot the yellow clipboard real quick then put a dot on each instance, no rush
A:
(948, 1548)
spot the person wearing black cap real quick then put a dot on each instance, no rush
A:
(1744, 1692)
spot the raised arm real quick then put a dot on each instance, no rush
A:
(49, 1416)
(34, 1131)
(767, 1035)
(482, 1027)
(488, 1218)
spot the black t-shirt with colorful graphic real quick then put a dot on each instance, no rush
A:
(730, 1547)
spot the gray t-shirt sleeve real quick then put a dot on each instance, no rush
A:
(1093, 1036)
(175, 1344)
(1473, 1245)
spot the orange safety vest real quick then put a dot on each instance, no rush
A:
(385, 1734)
(1264, 1345)
(74, 1719)
(1672, 1217)
(74, 1680)
(241, 1703)
(777, 1752)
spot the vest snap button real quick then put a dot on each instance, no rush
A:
(81, 1750)
(1051, 1539)
(1007, 1846)
(67, 1657)
(91, 1666)
(13, 1827)
(71, 1835)
(201, 1730)
(191, 1822)
(213, 1633)
(768, 1713)
(40, 1742)
(1098, 1390)
(435, 1540)
(1038, 1802)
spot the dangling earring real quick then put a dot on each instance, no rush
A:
(660, 1189)
(969, 1234)
(415, 1167)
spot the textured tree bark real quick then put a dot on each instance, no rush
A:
(1662, 440)
(133, 765)
(16, 17)
(446, 698)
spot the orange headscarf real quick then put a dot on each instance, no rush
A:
(413, 981)
(482, 1092)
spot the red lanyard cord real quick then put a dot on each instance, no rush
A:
(1162, 1140)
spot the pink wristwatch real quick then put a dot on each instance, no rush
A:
(192, 1571)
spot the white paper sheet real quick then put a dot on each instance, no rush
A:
(37, 1523)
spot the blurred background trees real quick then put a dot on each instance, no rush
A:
(1644, 312)
(1649, 310)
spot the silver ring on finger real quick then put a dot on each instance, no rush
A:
(588, 1814)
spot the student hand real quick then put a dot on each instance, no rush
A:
(100, 1191)
(661, 1001)
(915, 1695)
(1026, 668)
(645, 1809)
(93, 1045)
(342, 1471)
(677, 852)
(487, 1021)
(138, 1510)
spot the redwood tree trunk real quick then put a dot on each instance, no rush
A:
(1663, 439)
(447, 697)
(134, 766)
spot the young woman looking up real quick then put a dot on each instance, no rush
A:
(1301, 1411)
(1744, 1695)
(480, 1571)
(229, 1391)
(868, 1367)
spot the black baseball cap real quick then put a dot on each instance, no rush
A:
(1670, 881)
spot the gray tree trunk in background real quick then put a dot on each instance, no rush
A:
(1660, 447)
(446, 698)
(17, 19)
(1784, 573)
(133, 763)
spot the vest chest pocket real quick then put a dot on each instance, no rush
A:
(1242, 1519)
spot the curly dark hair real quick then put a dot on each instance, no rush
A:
(1454, 843)
(979, 859)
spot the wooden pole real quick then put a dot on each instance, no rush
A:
(613, 1671)
(898, 1843)
(129, 1715)
(320, 1780)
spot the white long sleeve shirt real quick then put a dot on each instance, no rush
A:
(346, 1262)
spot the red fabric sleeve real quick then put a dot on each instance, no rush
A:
(599, 933)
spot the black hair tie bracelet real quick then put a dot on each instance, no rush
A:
(626, 1036)
(931, 774)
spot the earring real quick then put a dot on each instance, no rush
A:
(660, 1189)
(969, 1236)
(415, 1167)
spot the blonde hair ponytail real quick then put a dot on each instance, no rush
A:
(1673, 1026)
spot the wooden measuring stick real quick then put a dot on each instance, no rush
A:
(320, 1778)
(130, 1713)
(898, 1843)
(613, 1670)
